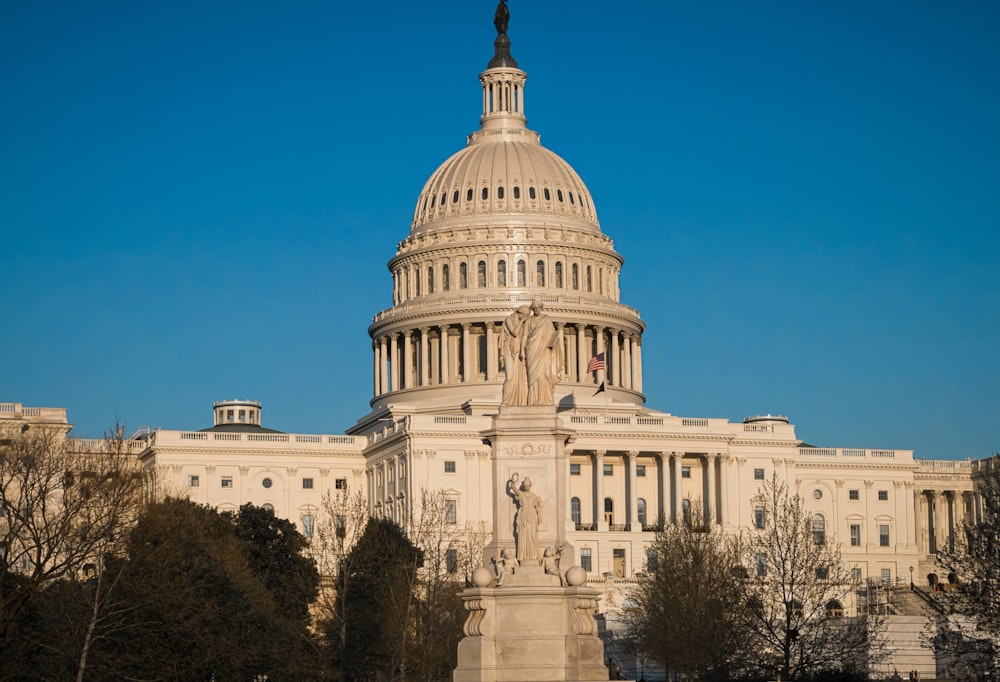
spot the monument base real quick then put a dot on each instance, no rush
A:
(531, 629)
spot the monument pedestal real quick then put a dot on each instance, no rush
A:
(531, 629)
(528, 625)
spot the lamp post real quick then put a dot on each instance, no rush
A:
(911, 577)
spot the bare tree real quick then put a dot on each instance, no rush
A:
(969, 627)
(685, 608)
(65, 510)
(795, 591)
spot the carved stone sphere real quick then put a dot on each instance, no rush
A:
(482, 577)
(576, 576)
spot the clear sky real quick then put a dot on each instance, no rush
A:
(198, 200)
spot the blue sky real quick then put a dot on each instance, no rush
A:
(199, 200)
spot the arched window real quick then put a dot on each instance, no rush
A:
(819, 530)
(454, 197)
(540, 273)
(531, 192)
(420, 281)
(641, 504)
(517, 192)
(430, 280)
(574, 508)
(445, 277)
(609, 511)
(463, 276)
(522, 275)
(468, 194)
(545, 193)
(834, 609)
(576, 276)
(486, 193)
(590, 280)
(481, 274)
(559, 277)
(571, 199)
(559, 195)
(500, 192)
(502, 273)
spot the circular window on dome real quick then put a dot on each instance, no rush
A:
(267, 483)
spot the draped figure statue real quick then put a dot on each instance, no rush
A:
(513, 341)
(541, 357)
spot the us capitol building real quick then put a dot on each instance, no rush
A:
(503, 223)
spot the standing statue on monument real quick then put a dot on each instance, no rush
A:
(513, 341)
(541, 355)
(527, 519)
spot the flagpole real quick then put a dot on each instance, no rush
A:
(605, 382)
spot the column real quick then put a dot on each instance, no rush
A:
(408, 376)
(711, 503)
(582, 357)
(599, 335)
(466, 354)
(383, 362)
(949, 496)
(376, 369)
(931, 522)
(600, 523)
(560, 349)
(445, 370)
(425, 356)
(911, 525)
(614, 363)
(662, 510)
(723, 490)
(675, 493)
(491, 351)
(394, 374)
(631, 494)
(637, 363)
(627, 374)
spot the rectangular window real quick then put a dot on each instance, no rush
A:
(640, 469)
(449, 467)
(761, 565)
(822, 572)
(758, 474)
(685, 472)
(574, 469)
(886, 574)
(307, 483)
(855, 535)
(609, 469)
(585, 562)
(451, 511)
(855, 575)
(883, 535)
(229, 415)
(227, 481)
(853, 495)
(307, 525)
(451, 560)
(340, 484)
(243, 415)
(651, 563)
(192, 481)
(883, 495)
(758, 517)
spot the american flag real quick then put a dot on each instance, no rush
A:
(596, 363)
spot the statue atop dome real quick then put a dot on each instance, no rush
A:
(501, 46)
(501, 18)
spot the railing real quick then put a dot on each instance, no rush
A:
(694, 422)
(449, 420)
(193, 435)
(10, 407)
(855, 453)
(224, 438)
(758, 428)
(586, 526)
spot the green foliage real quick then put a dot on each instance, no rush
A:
(371, 630)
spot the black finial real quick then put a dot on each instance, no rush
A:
(501, 46)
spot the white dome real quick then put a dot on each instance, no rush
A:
(504, 172)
